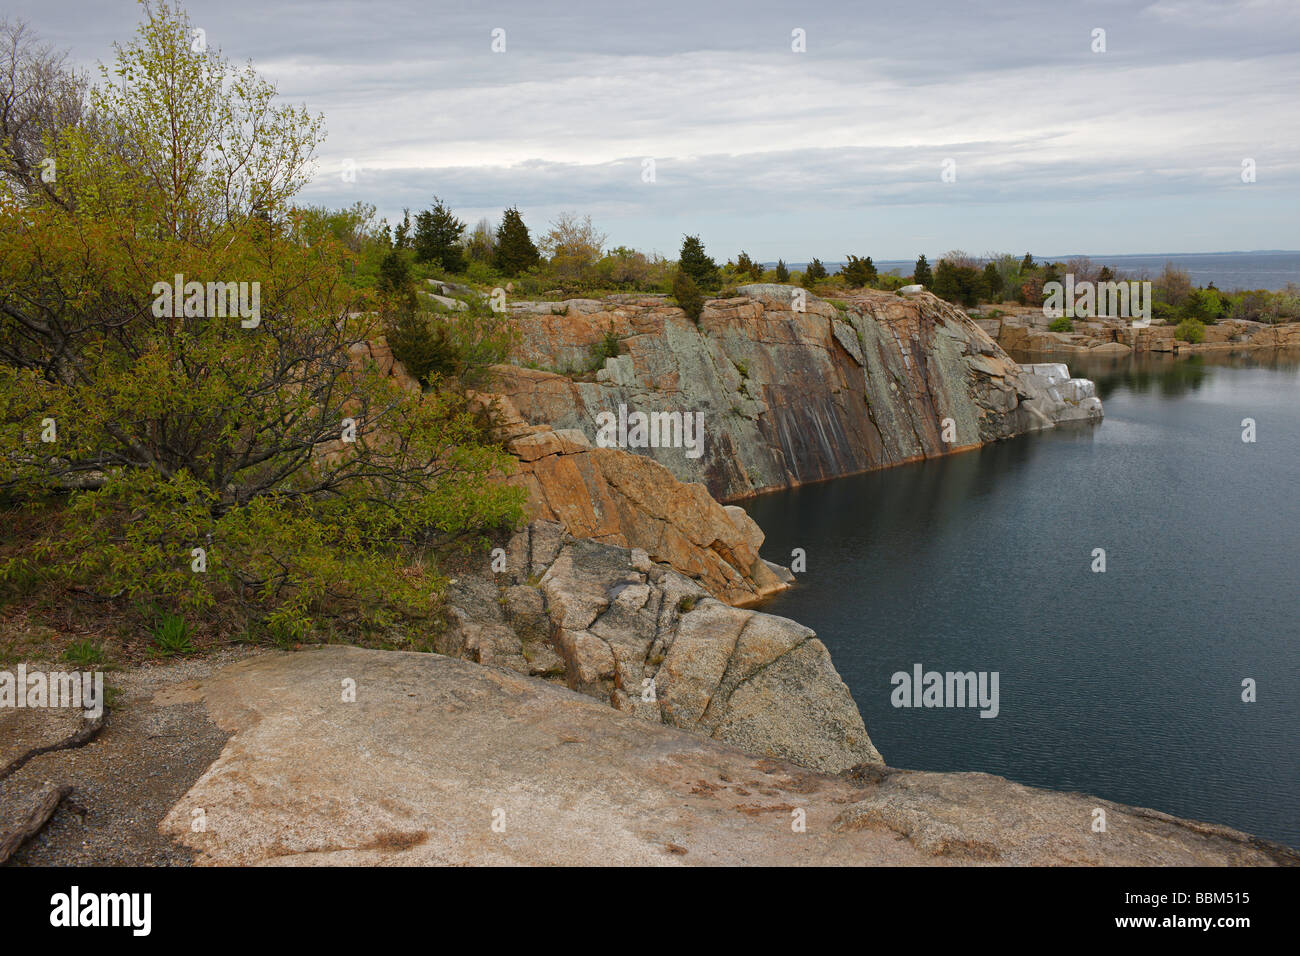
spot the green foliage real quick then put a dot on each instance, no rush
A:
(606, 348)
(1063, 324)
(437, 237)
(1190, 330)
(814, 272)
(992, 282)
(858, 273)
(183, 429)
(419, 341)
(697, 266)
(957, 283)
(748, 268)
(782, 273)
(921, 272)
(85, 653)
(1204, 305)
(171, 635)
(688, 295)
(515, 251)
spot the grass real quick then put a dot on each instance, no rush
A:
(85, 653)
(171, 635)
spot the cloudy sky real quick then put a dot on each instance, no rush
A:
(1056, 148)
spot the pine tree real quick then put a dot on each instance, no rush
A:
(437, 237)
(688, 295)
(859, 273)
(992, 283)
(515, 251)
(695, 263)
(921, 274)
(782, 273)
(402, 237)
(814, 272)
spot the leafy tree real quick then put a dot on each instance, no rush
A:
(688, 295)
(859, 273)
(515, 251)
(692, 260)
(921, 272)
(481, 242)
(267, 437)
(782, 273)
(437, 237)
(574, 246)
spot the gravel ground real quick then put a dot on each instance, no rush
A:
(155, 745)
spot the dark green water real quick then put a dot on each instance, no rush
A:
(1125, 684)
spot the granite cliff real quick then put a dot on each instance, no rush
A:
(792, 388)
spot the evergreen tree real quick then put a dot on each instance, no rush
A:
(992, 282)
(921, 274)
(814, 271)
(394, 283)
(515, 251)
(688, 295)
(782, 273)
(437, 237)
(1027, 264)
(702, 270)
(859, 273)
(402, 237)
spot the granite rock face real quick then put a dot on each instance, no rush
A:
(792, 388)
(440, 761)
(612, 623)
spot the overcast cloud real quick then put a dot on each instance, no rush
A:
(1057, 149)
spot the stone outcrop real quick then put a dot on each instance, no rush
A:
(613, 624)
(793, 388)
(1026, 331)
(440, 761)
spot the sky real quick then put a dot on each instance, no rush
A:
(902, 128)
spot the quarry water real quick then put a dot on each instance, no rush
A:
(1125, 684)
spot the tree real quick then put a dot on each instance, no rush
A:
(573, 245)
(921, 272)
(688, 295)
(692, 260)
(239, 414)
(814, 272)
(1027, 264)
(437, 237)
(515, 251)
(992, 282)
(859, 273)
(957, 283)
(782, 273)
(480, 246)
(402, 236)
(746, 266)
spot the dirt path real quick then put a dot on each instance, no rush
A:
(151, 751)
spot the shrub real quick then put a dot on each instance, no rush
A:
(1190, 330)
(1062, 324)
(814, 272)
(688, 295)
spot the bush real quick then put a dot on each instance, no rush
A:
(688, 295)
(1062, 324)
(303, 479)
(698, 267)
(1190, 330)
